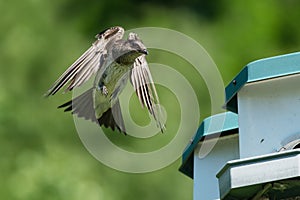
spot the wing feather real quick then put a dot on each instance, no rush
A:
(143, 84)
(85, 73)
(88, 63)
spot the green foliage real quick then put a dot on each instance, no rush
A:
(41, 156)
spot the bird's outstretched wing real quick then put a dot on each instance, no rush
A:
(89, 63)
(143, 84)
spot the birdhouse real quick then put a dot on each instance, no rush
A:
(265, 164)
(215, 143)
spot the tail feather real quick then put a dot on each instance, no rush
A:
(113, 118)
(83, 106)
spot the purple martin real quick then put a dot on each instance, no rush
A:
(113, 60)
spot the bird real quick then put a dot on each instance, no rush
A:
(111, 61)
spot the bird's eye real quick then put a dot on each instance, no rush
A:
(135, 46)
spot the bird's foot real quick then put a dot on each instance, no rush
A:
(104, 90)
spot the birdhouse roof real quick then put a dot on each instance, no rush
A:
(259, 70)
(217, 125)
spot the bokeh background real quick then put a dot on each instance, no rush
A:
(41, 155)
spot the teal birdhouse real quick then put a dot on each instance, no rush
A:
(254, 152)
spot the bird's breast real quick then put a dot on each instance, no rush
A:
(114, 79)
(114, 74)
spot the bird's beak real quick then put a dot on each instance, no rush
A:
(144, 51)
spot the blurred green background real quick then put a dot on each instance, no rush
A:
(41, 155)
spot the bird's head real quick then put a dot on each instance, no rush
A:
(136, 45)
(131, 49)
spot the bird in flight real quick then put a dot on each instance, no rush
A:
(113, 60)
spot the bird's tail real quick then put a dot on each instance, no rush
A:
(113, 118)
(83, 106)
